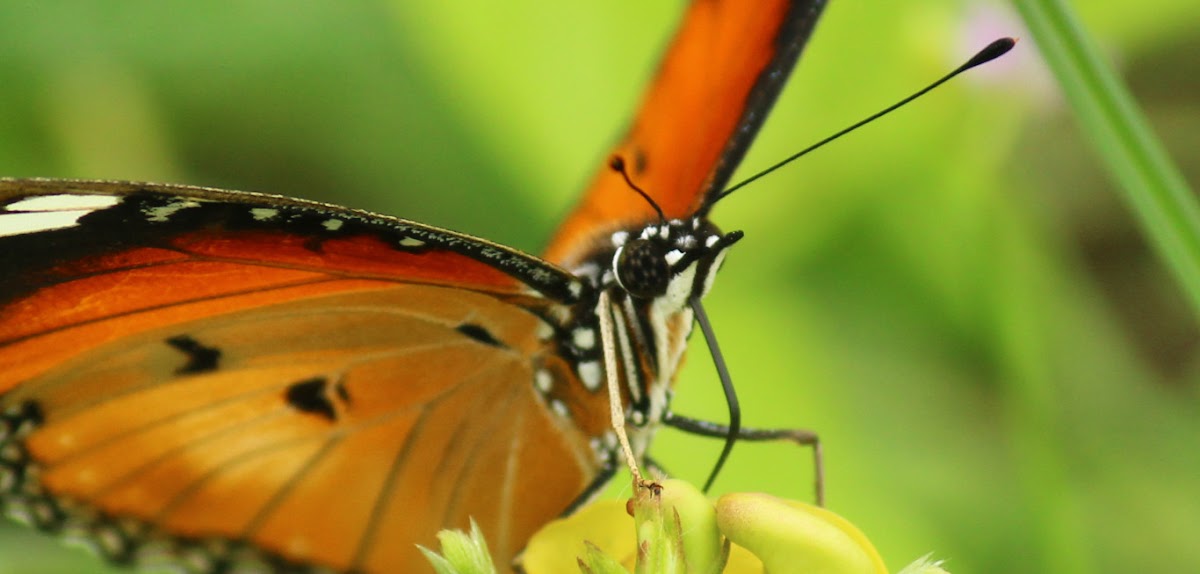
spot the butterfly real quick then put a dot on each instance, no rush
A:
(229, 379)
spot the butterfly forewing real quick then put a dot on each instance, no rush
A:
(712, 91)
(219, 366)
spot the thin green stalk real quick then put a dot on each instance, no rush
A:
(1151, 183)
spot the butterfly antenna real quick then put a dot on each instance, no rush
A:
(991, 52)
(617, 164)
(735, 411)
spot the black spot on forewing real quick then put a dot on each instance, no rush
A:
(309, 396)
(478, 333)
(342, 393)
(200, 359)
(639, 161)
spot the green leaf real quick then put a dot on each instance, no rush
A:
(1113, 123)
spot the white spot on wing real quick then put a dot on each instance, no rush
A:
(590, 375)
(544, 331)
(411, 242)
(32, 222)
(332, 224)
(560, 408)
(65, 202)
(49, 212)
(584, 338)
(712, 240)
(542, 380)
(161, 214)
(263, 213)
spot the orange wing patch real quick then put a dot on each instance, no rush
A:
(245, 426)
(712, 91)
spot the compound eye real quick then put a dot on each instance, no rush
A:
(642, 269)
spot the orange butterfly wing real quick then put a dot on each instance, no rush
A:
(727, 64)
(291, 383)
(133, 279)
(326, 385)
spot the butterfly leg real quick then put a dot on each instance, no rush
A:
(801, 437)
(617, 410)
(594, 488)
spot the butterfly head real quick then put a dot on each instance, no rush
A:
(672, 261)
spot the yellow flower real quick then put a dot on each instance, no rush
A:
(679, 531)
(789, 536)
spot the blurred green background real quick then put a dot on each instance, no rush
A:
(1001, 369)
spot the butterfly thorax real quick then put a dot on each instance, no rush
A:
(651, 274)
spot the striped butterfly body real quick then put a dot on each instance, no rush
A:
(224, 379)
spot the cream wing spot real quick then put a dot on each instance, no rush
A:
(590, 375)
(64, 202)
(264, 213)
(163, 213)
(560, 408)
(543, 381)
(584, 338)
(543, 331)
(20, 223)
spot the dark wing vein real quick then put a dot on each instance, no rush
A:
(387, 490)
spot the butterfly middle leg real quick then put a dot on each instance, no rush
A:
(802, 437)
